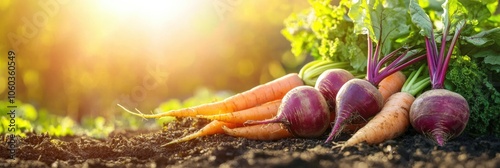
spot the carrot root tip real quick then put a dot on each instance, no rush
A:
(138, 113)
(170, 143)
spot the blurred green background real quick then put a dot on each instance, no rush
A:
(80, 58)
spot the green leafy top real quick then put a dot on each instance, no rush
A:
(421, 19)
(470, 80)
(479, 39)
(385, 20)
(439, 57)
(324, 31)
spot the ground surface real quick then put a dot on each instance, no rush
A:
(142, 149)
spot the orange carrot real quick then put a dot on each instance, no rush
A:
(272, 131)
(214, 127)
(262, 112)
(391, 84)
(258, 95)
(390, 122)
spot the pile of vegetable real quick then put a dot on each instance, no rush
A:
(474, 66)
(364, 50)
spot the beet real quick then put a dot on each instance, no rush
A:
(356, 98)
(329, 84)
(440, 114)
(303, 111)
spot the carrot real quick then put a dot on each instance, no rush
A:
(265, 111)
(389, 123)
(271, 131)
(214, 127)
(258, 95)
(391, 84)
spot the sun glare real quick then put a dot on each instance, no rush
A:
(152, 11)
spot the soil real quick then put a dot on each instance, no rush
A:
(125, 148)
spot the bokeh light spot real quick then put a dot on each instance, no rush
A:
(245, 67)
(276, 70)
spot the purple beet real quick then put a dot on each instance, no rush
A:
(356, 98)
(329, 84)
(303, 111)
(440, 114)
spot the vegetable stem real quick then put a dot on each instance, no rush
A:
(369, 63)
(430, 60)
(450, 51)
(437, 70)
(441, 55)
(311, 71)
(416, 83)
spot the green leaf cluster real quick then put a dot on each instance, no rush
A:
(324, 31)
(471, 81)
(479, 38)
(474, 74)
(485, 47)
(385, 20)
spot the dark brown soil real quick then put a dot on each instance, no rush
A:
(142, 149)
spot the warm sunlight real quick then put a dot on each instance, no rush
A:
(151, 11)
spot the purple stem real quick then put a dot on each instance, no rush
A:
(434, 53)
(388, 71)
(441, 57)
(404, 65)
(447, 60)
(432, 58)
(386, 58)
(375, 57)
(372, 61)
(396, 61)
(368, 65)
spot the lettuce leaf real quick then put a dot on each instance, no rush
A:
(325, 32)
